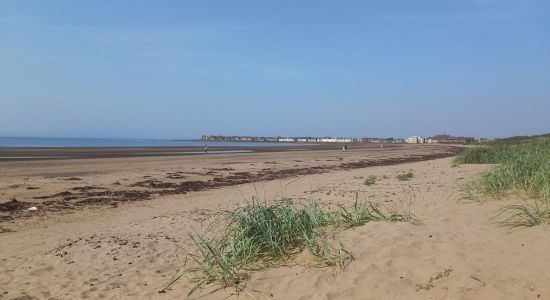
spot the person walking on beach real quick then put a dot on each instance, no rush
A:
(205, 149)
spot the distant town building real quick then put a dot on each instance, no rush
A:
(446, 139)
(415, 140)
(281, 139)
(374, 140)
(287, 140)
(437, 139)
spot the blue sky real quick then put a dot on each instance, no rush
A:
(179, 69)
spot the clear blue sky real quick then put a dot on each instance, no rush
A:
(179, 69)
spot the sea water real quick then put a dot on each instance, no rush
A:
(32, 142)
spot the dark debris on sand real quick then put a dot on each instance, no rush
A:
(150, 188)
(13, 205)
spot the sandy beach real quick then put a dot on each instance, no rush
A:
(118, 227)
(275, 150)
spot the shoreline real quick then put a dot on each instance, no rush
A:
(45, 153)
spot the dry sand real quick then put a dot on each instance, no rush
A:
(130, 250)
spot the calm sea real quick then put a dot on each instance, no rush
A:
(78, 142)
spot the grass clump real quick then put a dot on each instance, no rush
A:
(363, 212)
(406, 176)
(370, 180)
(523, 215)
(493, 154)
(260, 235)
(523, 167)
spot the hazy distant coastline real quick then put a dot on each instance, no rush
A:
(38, 142)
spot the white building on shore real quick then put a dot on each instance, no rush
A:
(286, 140)
(415, 140)
(335, 140)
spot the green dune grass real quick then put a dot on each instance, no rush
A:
(260, 235)
(522, 166)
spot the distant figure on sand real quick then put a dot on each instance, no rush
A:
(205, 149)
(345, 148)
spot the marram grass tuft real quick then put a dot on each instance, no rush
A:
(260, 235)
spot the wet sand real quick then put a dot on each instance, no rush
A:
(43, 153)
